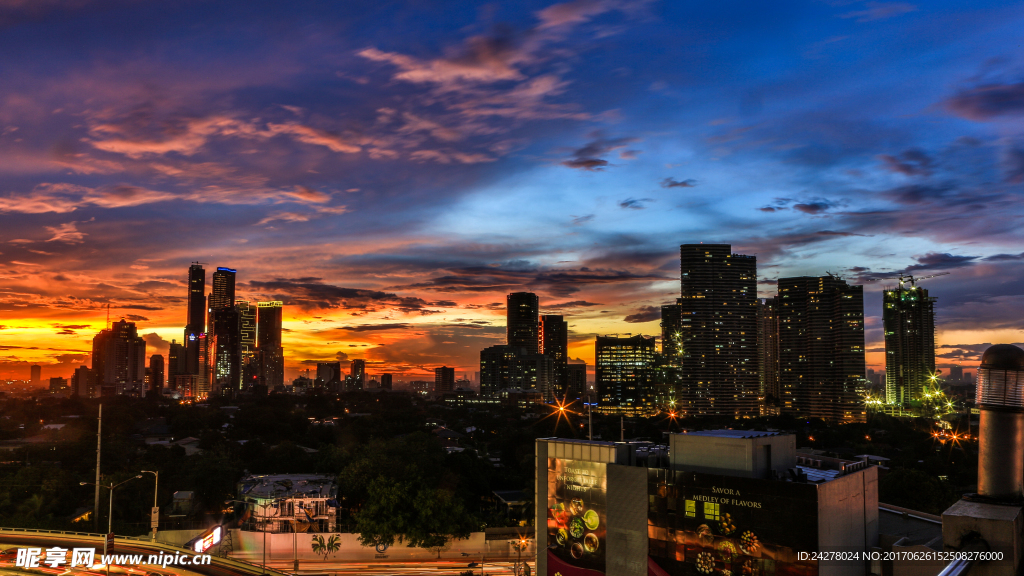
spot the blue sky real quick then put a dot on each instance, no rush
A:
(392, 170)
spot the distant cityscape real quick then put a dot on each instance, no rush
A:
(723, 352)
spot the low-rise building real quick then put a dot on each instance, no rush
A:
(289, 502)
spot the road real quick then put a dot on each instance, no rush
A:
(45, 540)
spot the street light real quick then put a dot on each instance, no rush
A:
(156, 510)
(110, 514)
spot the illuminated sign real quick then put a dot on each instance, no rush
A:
(192, 337)
(577, 521)
(222, 269)
(705, 524)
(207, 540)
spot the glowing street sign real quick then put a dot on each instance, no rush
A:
(207, 540)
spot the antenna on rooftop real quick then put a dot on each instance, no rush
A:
(108, 315)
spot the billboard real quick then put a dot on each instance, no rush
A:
(577, 516)
(706, 524)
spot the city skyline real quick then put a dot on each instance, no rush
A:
(392, 174)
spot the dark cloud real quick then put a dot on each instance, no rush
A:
(377, 327)
(588, 157)
(135, 318)
(988, 102)
(312, 293)
(918, 194)
(581, 220)
(1004, 257)
(635, 203)
(815, 206)
(672, 183)
(941, 261)
(644, 314)
(911, 162)
(571, 304)
(513, 277)
(1013, 160)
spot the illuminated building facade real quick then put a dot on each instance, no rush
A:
(908, 319)
(497, 368)
(768, 351)
(671, 332)
(821, 348)
(623, 372)
(249, 364)
(718, 332)
(522, 323)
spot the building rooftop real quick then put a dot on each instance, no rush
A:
(734, 433)
(287, 485)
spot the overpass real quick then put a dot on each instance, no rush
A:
(25, 538)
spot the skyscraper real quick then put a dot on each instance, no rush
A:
(176, 363)
(768, 351)
(821, 348)
(268, 343)
(671, 332)
(908, 319)
(249, 364)
(496, 367)
(83, 382)
(444, 379)
(196, 321)
(223, 294)
(522, 324)
(358, 373)
(36, 374)
(718, 331)
(119, 359)
(622, 372)
(225, 354)
(156, 371)
(576, 380)
(328, 374)
(386, 382)
(554, 343)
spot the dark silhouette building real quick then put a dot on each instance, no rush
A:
(768, 351)
(119, 360)
(671, 332)
(358, 373)
(386, 382)
(176, 363)
(83, 382)
(908, 319)
(554, 343)
(444, 379)
(576, 380)
(717, 332)
(623, 373)
(522, 324)
(36, 373)
(497, 366)
(268, 344)
(328, 375)
(821, 348)
(156, 375)
(195, 324)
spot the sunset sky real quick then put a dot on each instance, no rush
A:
(391, 170)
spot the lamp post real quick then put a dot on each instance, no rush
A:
(155, 510)
(110, 514)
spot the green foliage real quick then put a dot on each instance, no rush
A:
(420, 517)
(916, 490)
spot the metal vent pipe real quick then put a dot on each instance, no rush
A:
(1000, 399)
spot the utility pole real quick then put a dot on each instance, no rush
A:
(622, 427)
(590, 420)
(96, 502)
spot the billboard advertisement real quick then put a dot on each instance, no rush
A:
(711, 525)
(577, 517)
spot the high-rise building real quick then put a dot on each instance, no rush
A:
(201, 385)
(196, 321)
(718, 332)
(36, 372)
(768, 351)
(225, 350)
(58, 384)
(119, 359)
(522, 324)
(328, 374)
(268, 344)
(622, 372)
(357, 371)
(249, 364)
(956, 374)
(908, 320)
(176, 362)
(671, 332)
(821, 348)
(156, 371)
(496, 368)
(576, 380)
(554, 343)
(82, 382)
(386, 382)
(444, 379)
(534, 372)
(223, 294)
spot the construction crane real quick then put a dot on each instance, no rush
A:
(904, 278)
